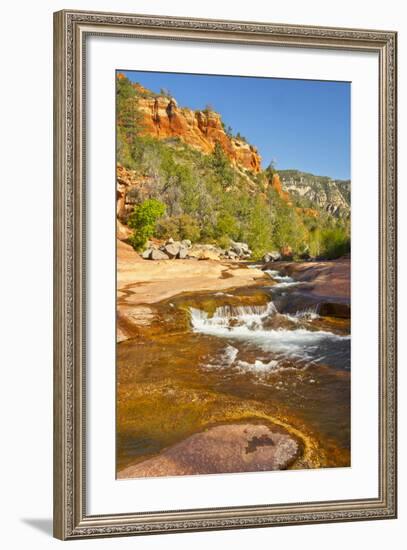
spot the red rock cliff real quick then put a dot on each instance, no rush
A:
(162, 118)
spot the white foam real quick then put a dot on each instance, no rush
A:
(227, 358)
(245, 323)
(275, 275)
(306, 314)
(286, 284)
(258, 367)
(230, 354)
(225, 315)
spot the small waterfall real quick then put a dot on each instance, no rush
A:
(309, 314)
(227, 317)
(275, 275)
(282, 281)
(244, 312)
(246, 324)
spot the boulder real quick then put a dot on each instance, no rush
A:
(241, 249)
(273, 256)
(170, 241)
(231, 254)
(158, 255)
(186, 243)
(182, 253)
(147, 253)
(172, 250)
(153, 244)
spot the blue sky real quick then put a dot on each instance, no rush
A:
(299, 124)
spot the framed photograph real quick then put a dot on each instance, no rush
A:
(225, 274)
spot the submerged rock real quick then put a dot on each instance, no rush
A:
(334, 309)
(222, 449)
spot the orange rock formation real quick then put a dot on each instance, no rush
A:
(162, 118)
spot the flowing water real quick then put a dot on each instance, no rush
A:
(262, 352)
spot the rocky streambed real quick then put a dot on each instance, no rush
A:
(249, 374)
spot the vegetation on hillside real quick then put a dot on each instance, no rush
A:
(186, 194)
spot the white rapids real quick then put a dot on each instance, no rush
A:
(247, 325)
(250, 329)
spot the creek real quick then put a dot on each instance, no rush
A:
(262, 352)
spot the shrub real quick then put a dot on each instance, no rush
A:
(335, 242)
(224, 242)
(143, 220)
(226, 225)
(179, 228)
(188, 228)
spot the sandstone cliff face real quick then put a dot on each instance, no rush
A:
(126, 179)
(162, 118)
(131, 189)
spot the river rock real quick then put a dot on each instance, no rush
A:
(241, 249)
(172, 249)
(182, 253)
(273, 256)
(228, 448)
(158, 255)
(231, 254)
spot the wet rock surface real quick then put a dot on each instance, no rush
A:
(241, 346)
(222, 449)
(326, 279)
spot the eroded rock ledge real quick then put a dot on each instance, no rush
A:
(222, 449)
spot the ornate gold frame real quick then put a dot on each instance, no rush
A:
(70, 31)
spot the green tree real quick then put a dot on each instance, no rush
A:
(221, 165)
(260, 228)
(226, 225)
(179, 228)
(143, 220)
(128, 119)
(335, 242)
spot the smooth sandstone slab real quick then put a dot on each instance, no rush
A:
(222, 449)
